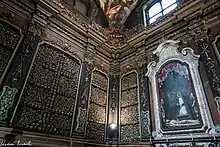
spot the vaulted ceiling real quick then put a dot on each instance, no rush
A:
(117, 11)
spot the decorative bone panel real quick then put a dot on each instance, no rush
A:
(9, 39)
(97, 107)
(208, 56)
(80, 120)
(8, 42)
(144, 103)
(129, 109)
(48, 99)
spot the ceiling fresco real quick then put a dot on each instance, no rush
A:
(117, 11)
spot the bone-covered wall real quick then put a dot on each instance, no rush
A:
(10, 37)
(97, 112)
(63, 81)
(129, 108)
(48, 99)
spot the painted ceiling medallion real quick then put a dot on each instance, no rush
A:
(117, 11)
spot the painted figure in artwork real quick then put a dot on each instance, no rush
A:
(177, 96)
(182, 111)
(177, 103)
(117, 10)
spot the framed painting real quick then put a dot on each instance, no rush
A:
(179, 100)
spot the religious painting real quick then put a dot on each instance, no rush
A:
(117, 10)
(177, 99)
(179, 102)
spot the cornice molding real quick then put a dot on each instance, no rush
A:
(69, 20)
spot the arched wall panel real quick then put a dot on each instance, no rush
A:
(97, 110)
(129, 108)
(48, 99)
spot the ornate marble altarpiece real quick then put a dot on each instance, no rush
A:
(179, 101)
